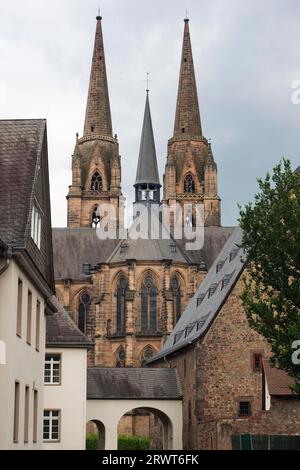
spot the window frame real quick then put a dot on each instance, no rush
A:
(52, 363)
(240, 413)
(36, 226)
(51, 418)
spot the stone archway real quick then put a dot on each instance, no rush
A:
(100, 431)
(165, 421)
(110, 411)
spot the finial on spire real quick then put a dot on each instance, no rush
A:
(147, 81)
(186, 15)
(99, 17)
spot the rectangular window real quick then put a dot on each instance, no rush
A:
(37, 325)
(19, 308)
(257, 362)
(51, 425)
(29, 317)
(35, 416)
(36, 224)
(16, 411)
(245, 408)
(52, 369)
(26, 415)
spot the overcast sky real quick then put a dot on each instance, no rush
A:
(246, 54)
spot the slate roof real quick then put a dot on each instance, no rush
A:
(129, 383)
(147, 171)
(209, 298)
(72, 247)
(20, 145)
(61, 331)
(278, 381)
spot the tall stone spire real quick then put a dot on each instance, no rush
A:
(98, 116)
(187, 119)
(147, 177)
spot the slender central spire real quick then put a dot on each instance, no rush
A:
(147, 171)
(98, 117)
(187, 120)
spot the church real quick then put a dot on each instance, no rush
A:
(126, 295)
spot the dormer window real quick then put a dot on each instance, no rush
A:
(219, 266)
(233, 254)
(200, 299)
(36, 226)
(226, 279)
(96, 183)
(212, 290)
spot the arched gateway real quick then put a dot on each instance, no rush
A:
(111, 393)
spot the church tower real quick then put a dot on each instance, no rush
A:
(147, 185)
(191, 172)
(96, 165)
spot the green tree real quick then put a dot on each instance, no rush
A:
(271, 240)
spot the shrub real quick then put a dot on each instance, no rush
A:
(92, 441)
(133, 443)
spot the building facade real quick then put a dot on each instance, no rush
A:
(231, 397)
(65, 378)
(127, 294)
(26, 279)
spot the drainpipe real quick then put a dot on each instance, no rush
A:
(7, 255)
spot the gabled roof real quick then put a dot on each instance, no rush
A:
(72, 247)
(279, 383)
(61, 331)
(129, 383)
(20, 148)
(209, 298)
(148, 250)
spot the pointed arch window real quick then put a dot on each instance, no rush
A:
(96, 183)
(176, 299)
(189, 184)
(148, 306)
(121, 304)
(83, 307)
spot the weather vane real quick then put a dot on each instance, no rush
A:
(147, 80)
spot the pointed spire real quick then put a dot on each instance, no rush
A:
(98, 117)
(147, 171)
(187, 120)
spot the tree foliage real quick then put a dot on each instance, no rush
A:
(271, 240)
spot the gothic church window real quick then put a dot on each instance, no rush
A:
(148, 306)
(189, 184)
(96, 184)
(84, 303)
(121, 304)
(176, 299)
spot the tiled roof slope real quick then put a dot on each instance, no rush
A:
(20, 145)
(72, 247)
(129, 383)
(278, 381)
(209, 298)
(61, 331)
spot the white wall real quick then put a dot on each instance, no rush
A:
(23, 362)
(69, 398)
(109, 412)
